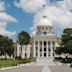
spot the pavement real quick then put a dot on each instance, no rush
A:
(25, 69)
(38, 68)
(60, 69)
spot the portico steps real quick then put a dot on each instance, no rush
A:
(45, 60)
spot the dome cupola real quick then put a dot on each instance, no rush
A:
(44, 27)
(45, 22)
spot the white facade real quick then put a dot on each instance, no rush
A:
(25, 52)
(43, 43)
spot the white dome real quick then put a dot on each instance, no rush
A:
(45, 22)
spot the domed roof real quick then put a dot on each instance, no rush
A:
(45, 22)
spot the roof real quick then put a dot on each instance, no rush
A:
(45, 22)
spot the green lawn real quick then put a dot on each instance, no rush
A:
(15, 62)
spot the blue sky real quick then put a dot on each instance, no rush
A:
(25, 19)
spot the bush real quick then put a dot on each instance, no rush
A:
(63, 60)
(27, 60)
(15, 62)
(71, 65)
(8, 62)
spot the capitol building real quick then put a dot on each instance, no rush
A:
(42, 44)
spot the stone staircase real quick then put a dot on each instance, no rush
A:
(45, 61)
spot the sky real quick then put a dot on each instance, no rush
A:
(24, 15)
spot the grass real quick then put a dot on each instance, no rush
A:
(15, 62)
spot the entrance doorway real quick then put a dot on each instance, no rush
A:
(44, 54)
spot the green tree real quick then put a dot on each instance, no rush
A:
(23, 39)
(6, 46)
(66, 44)
(67, 35)
(1, 45)
(9, 48)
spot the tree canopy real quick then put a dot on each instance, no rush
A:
(66, 43)
(6, 46)
(23, 38)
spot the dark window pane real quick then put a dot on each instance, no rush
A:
(36, 43)
(45, 33)
(48, 42)
(44, 43)
(25, 55)
(44, 49)
(53, 43)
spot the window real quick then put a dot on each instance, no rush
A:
(25, 55)
(40, 43)
(36, 43)
(44, 49)
(44, 54)
(49, 49)
(53, 54)
(36, 54)
(45, 33)
(36, 48)
(49, 43)
(40, 49)
(53, 43)
(44, 43)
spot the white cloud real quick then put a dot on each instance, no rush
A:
(68, 4)
(59, 18)
(4, 20)
(5, 32)
(2, 6)
(31, 5)
(4, 17)
(58, 13)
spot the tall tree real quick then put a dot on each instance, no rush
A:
(1, 45)
(23, 39)
(66, 44)
(6, 46)
(9, 48)
(67, 35)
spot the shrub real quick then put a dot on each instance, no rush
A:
(71, 65)
(27, 60)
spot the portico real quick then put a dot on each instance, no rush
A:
(43, 48)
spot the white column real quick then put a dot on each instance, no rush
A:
(47, 48)
(23, 52)
(42, 49)
(34, 50)
(51, 49)
(18, 50)
(38, 49)
(28, 51)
